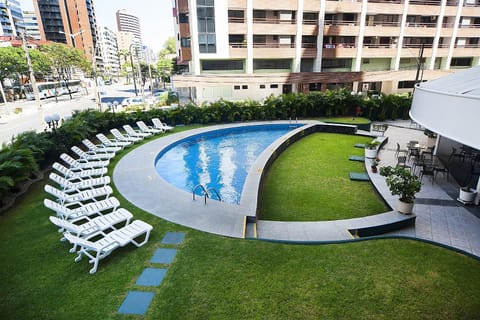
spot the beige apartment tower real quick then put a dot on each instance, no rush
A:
(239, 49)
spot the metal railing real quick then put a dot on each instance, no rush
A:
(206, 192)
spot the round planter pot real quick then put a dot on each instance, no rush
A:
(370, 153)
(467, 195)
(404, 207)
(374, 169)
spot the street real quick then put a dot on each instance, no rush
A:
(31, 117)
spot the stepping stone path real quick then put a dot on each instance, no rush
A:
(359, 176)
(357, 158)
(137, 302)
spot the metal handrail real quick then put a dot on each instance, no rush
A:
(205, 192)
(216, 192)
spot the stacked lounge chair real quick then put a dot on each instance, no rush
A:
(86, 213)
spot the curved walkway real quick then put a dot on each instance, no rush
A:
(450, 225)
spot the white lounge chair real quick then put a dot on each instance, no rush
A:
(79, 198)
(161, 125)
(83, 212)
(80, 185)
(94, 148)
(144, 128)
(132, 133)
(112, 143)
(95, 251)
(121, 137)
(93, 227)
(80, 174)
(83, 164)
(92, 157)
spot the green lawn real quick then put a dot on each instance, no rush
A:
(310, 181)
(215, 277)
(350, 120)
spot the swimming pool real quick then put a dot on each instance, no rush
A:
(219, 159)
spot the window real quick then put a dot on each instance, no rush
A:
(236, 87)
(206, 26)
(366, 61)
(183, 18)
(236, 16)
(185, 42)
(336, 63)
(222, 65)
(262, 86)
(244, 87)
(271, 64)
(409, 84)
(461, 62)
(273, 86)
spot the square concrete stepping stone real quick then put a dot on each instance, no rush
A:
(173, 238)
(151, 277)
(136, 302)
(359, 145)
(357, 158)
(163, 255)
(359, 176)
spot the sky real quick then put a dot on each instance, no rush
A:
(155, 16)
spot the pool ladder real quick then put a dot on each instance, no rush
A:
(206, 192)
(291, 122)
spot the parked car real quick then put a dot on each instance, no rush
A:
(133, 101)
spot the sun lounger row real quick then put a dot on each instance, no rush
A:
(86, 213)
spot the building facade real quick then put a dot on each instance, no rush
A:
(109, 50)
(72, 22)
(31, 25)
(238, 49)
(11, 18)
(129, 23)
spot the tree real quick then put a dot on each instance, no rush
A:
(164, 68)
(12, 61)
(64, 58)
(169, 47)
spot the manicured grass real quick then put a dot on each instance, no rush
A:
(214, 277)
(309, 182)
(350, 120)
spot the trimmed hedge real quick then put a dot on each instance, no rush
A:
(30, 151)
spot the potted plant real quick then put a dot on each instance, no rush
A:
(404, 184)
(371, 149)
(374, 164)
(467, 194)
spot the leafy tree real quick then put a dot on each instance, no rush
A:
(64, 58)
(169, 47)
(12, 61)
(164, 67)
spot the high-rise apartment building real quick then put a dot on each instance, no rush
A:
(238, 49)
(129, 23)
(31, 25)
(69, 21)
(109, 50)
(11, 18)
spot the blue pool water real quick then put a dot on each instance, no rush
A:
(219, 159)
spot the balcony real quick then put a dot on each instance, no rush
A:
(382, 29)
(379, 50)
(273, 50)
(273, 28)
(384, 7)
(342, 6)
(339, 50)
(420, 29)
(339, 27)
(238, 50)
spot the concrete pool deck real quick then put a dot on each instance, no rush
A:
(439, 218)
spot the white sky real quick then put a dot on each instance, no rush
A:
(155, 16)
